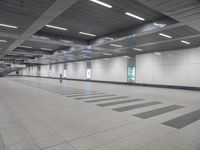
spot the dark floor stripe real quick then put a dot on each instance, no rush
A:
(119, 102)
(70, 93)
(126, 108)
(184, 120)
(106, 99)
(86, 94)
(63, 93)
(159, 111)
(89, 97)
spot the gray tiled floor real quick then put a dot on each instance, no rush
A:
(35, 115)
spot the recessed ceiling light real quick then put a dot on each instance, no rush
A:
(66, 41)
(185, 42)
(56, 27)
(85, 51)
(115, 45)
(24, 46)
(108, 54)
(127, 57)
(8, 26)
(0, 48)
(89, 34)
(157, 53)
(101, 3)
(159, 25)
(134, 16)
(109, 38)
(165, 35)
(4, 41)
(87, 56)
(47, 49)
(137, 49)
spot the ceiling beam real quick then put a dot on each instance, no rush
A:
(159, 42)
(96, 44)
(51, 40)
(57, 8)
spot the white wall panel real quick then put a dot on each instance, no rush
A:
(144, 74)
(180, 67)
(113, 69)
(194, 74)
(193, 56)
(76, 70)
(180, 74)
(56, 70)
(44, 71)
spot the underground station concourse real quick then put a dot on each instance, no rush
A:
(99, 75)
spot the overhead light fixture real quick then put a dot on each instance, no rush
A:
(4, 41)
(165, 35)
(157, 53)
(109, 38)
(159, 25)
(87, 56)
(134, 16)
(89, 34)
(137, 49)
(115, 45)
(127, 57)
(0, 48)
(101, 3)
(56, 27)
(66, 41)
(24, 46)
(107, 54)
(47, 49)
(8, 26)
(185, 42)
(85, 51)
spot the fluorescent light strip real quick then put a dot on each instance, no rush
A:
(24, 46)
(126, 57)
(137, 49)
(87, 51)
(47, 49)
(185, 42)
(89, 34)
(165, 35)
(8, 26)
(4, 41)
(101, 3)
(56, 27)
(134, 16)
(115, 45)
(109, 38)
(157, 53)
(108, 54)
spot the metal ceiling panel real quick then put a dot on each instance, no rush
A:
(87, 16)
(185, 11)
(21, 13)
